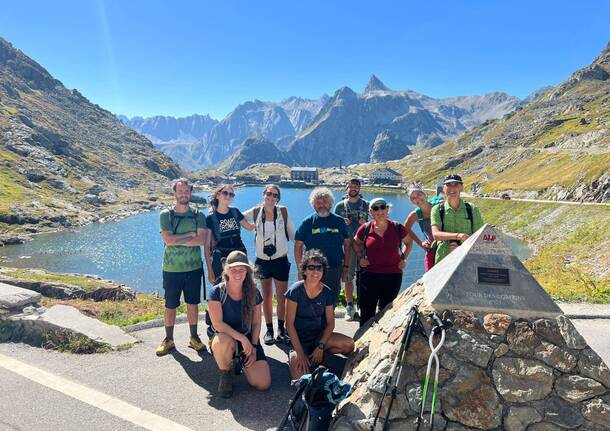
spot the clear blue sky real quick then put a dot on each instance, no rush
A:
(182, 57)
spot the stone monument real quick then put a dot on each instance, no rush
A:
(512, 360)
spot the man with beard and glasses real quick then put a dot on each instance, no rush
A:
(354, 211)
(327, 232)
(184, 232)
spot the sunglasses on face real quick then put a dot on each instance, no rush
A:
(226, 193)
(272, 195)
(379, 207)
(314, 267)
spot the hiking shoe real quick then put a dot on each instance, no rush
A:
(225, 385)
(350, 312)
(196, 344)
(283, 337)
(268, 338)
(166, 346)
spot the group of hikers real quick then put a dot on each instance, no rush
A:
(357, 243)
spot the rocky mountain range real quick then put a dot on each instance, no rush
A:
(557, 146)
(351, 127)
(333, 130)
(197, 141)
(64, 159)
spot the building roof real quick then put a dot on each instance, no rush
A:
(303, 169)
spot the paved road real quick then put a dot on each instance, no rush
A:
(178, 387)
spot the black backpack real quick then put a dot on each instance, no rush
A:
(441, 212)
(367, 231)
(173, 217)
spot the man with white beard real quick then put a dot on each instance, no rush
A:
(327, 232)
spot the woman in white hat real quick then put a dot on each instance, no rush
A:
(381, 257)
(235, 315)
(421, 215)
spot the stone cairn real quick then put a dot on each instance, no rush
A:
(502, 368)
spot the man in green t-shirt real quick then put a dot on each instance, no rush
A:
(456, 220)
(184, 232)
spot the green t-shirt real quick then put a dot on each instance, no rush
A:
(179, 258)
(455, 221)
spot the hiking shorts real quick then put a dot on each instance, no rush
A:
(277, 268)
(187, 283)
(260, 352)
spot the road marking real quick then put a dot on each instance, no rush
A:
(102, 401)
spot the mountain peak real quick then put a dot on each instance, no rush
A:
(375, 84)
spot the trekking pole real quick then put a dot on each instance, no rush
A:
(413, 322)
(438, 328)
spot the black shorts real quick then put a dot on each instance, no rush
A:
(260, 352)
(309, 346)
(277, 268)
(189, 283)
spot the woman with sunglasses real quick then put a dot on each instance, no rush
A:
(235, 314)
(310, 318)
(381, 257)
(273, 231)
(225, 222)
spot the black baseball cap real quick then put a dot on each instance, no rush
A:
(453, 178)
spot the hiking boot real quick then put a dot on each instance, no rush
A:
(237, 366)
(283, 337)
(195, 343)
(350, 312)
(268, 338)
(166, 346)
(225, 385)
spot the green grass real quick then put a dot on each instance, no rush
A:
(121, 313)
(42, 275)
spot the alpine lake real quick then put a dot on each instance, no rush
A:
(130, 251)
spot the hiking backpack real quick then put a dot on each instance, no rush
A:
(367, 231)
(216, 223)
(283, 210)
(173, 217)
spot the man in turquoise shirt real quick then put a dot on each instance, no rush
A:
(455, 222)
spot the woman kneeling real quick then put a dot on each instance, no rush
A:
(310, 318)
(235, 314)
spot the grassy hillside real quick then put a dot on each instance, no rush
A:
(571, 244)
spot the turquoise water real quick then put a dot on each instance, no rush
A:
(130, 251)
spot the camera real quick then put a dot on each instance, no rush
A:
(269, 249)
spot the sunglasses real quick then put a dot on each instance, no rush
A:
(314, 267)
(379, 207)
(272, 195)
(229, 194)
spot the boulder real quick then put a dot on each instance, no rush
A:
(519, 380)
(16, 298)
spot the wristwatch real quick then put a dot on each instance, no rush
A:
(321, 346)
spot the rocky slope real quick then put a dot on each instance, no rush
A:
(253, 151)
(556, 147)
(65, 161)
(388, 146)
(352, 121)
(176, 137)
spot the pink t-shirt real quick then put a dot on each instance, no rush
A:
(383, 253)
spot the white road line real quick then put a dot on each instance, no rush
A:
(102, 401)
